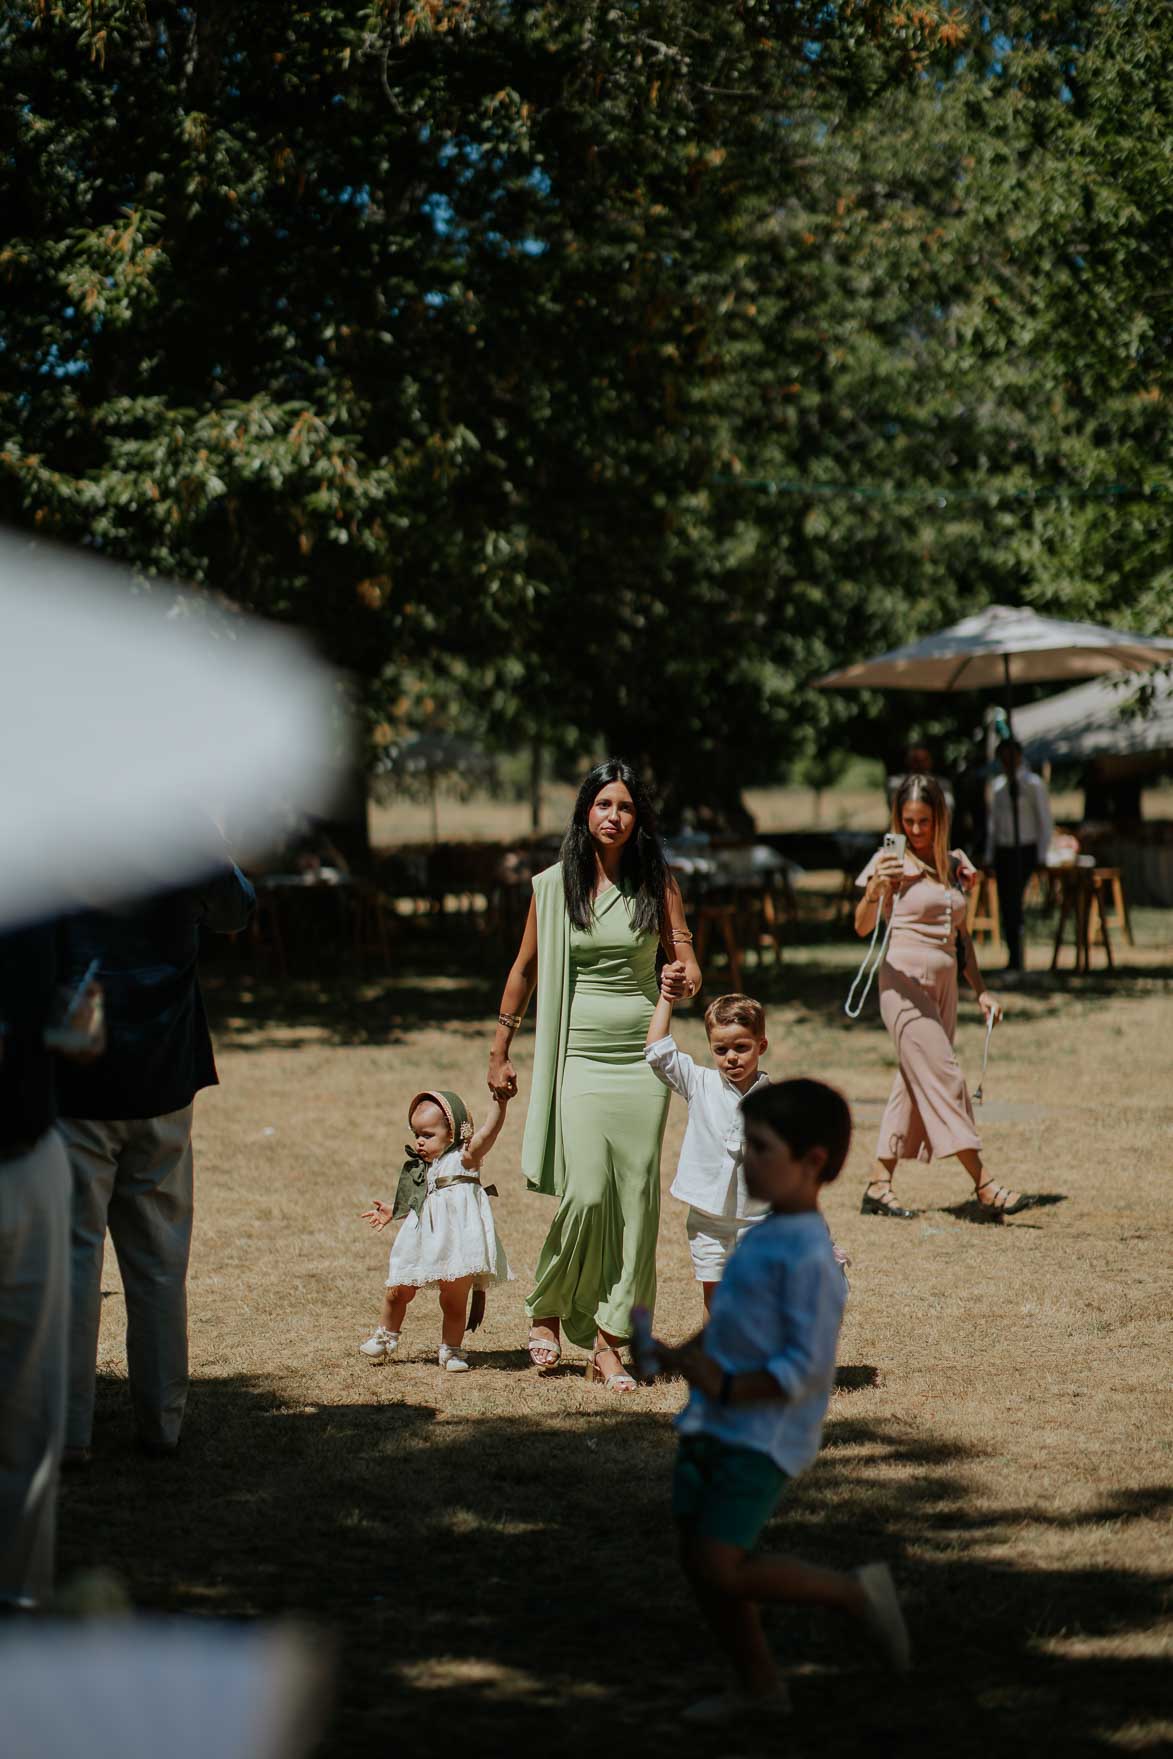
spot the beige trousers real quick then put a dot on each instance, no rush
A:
(34, 1329)
(135, 1178)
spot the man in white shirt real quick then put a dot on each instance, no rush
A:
(709, 1177)
(1016, 849)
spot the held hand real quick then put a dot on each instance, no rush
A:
(673, 981)
(379, 1214)
(502, 1079)
(990, 1005)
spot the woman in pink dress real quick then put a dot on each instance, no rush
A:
(929, 1111)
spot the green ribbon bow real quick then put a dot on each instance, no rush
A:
(412, 1190)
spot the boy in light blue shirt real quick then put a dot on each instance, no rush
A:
(761, 1375)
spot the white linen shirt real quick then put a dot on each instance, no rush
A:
(778, 1307)
(709, 1174)
(1035, 823)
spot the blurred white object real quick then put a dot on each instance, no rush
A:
(133, 721)
(133, 1688)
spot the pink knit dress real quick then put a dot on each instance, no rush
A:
(928, 1111)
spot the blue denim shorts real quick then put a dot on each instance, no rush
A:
(724, 1492)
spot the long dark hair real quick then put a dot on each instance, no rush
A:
(643, 872)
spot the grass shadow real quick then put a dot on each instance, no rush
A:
(856, 1377)
(510, 1583)
(969, 1211)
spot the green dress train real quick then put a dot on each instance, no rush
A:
(596, 1116)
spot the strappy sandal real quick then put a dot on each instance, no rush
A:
(544, 1353)
(618, 1382)
(889, 1207)
(993, 1210)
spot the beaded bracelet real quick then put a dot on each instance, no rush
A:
(513, 1021)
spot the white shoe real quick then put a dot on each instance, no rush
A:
(381, 1344)
(455, 1361)
(735, 1706)
(883, 1616)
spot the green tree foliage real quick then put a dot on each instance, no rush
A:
(458, 331)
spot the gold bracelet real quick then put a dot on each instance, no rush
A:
(680, 934)
(513, 1021)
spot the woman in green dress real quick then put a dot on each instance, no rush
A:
(596, 1112)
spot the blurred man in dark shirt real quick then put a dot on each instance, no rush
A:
(127, 1123)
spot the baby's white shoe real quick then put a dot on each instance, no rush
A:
(381, 1344)
(455, 1361)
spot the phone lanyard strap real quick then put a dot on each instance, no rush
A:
(986, 1050)
(853, 1013)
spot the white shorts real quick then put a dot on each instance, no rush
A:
(711, 1239)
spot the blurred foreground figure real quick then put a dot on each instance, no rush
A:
(34, 1271)
(133, 720)
(127, 1124)
(198, 1688)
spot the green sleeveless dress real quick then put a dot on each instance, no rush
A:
(596, 1118)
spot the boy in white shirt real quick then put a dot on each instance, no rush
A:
(761, 1374)
(709, 1176)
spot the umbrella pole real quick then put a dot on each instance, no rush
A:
(1018, 879)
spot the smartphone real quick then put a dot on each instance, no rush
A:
(894, 843)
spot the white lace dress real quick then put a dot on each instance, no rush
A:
(452, 1236)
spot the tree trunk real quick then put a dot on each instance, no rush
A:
(535, 786)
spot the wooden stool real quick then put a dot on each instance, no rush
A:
(723, 915)
(981, 910)
(1108, 882)
(1083, 895)
(763, 913)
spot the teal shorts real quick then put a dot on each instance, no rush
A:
(724, 1492)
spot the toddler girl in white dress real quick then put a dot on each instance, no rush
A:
(447, 1241)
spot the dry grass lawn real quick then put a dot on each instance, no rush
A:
(493, 1555)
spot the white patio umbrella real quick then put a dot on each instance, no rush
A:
(999, 647)
(132, 722)
(1002, 646)
(1097, 720)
